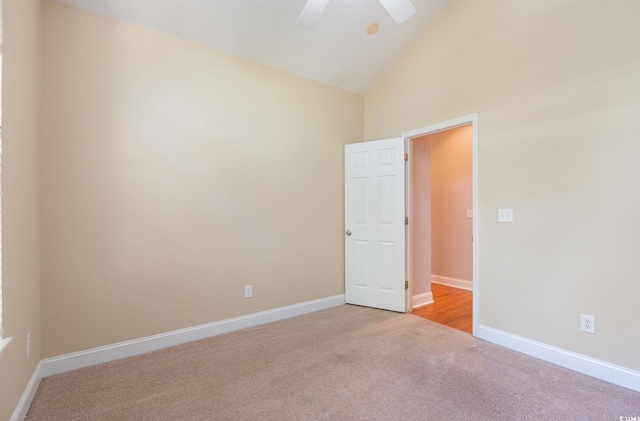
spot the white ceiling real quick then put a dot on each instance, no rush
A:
(336, 51)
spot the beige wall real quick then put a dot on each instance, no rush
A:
(451, 196)
(173, 175)
(20, 196)
(557, 90)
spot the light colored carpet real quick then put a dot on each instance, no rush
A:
(344, 363)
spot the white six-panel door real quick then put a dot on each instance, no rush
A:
(375, 224)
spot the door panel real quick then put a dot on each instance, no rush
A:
(374, 224)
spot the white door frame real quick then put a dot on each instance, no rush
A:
(408, 138)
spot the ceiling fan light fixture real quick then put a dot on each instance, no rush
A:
(372, 28)
(400, 10)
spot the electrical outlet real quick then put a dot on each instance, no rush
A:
(248, 291)
(505, 215)
(587, 323)
(28, 344)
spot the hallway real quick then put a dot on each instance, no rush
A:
(453, 307)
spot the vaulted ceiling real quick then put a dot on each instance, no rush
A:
(337, 50)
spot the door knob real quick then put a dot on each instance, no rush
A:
(348, 232)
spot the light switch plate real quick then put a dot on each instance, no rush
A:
(505, 215)
(469, 213)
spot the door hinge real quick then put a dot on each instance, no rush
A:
(406, 220)
(406, 156)
(406, 284)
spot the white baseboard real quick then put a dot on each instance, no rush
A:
(422, 300)
(577, 362)
(452, 282)
(21, 410)
(76, 360)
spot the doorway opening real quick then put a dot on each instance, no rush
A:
(442, 235)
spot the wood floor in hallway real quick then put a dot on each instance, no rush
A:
(452, 307)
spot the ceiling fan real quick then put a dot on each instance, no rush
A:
(400, 11)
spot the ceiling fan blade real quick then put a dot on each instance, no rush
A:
(400, 10)
(311, 13)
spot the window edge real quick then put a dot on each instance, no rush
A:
(4, 344)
